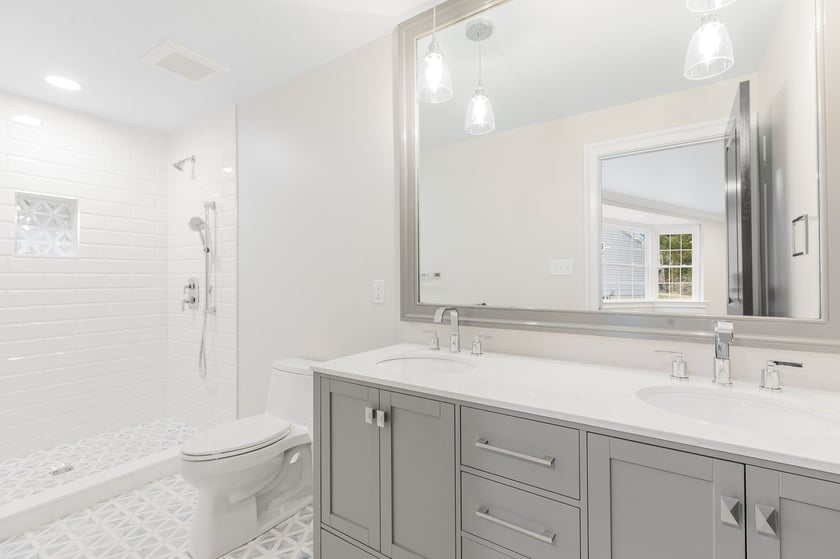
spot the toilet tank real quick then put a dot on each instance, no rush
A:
(290, 391)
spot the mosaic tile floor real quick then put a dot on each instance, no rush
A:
(26, 476)
(150, 523)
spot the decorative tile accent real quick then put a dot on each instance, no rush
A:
(46, 226)
(151, 522)
(27, 476)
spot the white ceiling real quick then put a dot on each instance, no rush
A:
(100, 42)
(550, 58)
(690, 177)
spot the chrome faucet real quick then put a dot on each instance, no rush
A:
(771, 378)
(724, 336)
(454, 334)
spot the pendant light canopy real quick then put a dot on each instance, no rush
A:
(703, 6)
(434, 80)
(710, 51)
(480, 118)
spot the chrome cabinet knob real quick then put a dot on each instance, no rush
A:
(766, 520)
(730, 511)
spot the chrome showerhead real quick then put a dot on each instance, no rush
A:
(182, 163)
(197, 224)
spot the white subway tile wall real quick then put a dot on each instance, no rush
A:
(98, 342)
(212, 400)
(82, 339)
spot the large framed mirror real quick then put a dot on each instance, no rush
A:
(619, 168)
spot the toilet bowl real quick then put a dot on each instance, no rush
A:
(252, 473)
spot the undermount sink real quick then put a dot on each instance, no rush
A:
(426, 363)
(744, 411)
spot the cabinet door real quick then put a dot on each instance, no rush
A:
(646, 501)
(418, 478)
(350, 461)
(791, 517)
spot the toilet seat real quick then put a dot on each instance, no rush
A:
(236, 438)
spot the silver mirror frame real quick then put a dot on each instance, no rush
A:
(822, 335)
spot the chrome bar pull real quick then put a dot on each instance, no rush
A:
(380, 419)
(369, 416)
(484, 444)
(546, 537)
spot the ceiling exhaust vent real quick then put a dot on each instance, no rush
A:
(181, 61)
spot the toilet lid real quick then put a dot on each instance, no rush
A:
(240, 435)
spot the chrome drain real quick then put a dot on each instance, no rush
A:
(61, 469)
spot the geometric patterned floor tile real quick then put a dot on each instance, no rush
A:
(27, 476)
(149, 523)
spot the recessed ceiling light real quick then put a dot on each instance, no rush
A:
(27, 120)
(63, 83)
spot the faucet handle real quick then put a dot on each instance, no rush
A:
(771, 378)
(678, 371)
(434, 342)
(476, 343)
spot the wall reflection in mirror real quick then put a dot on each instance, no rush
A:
(645, 157)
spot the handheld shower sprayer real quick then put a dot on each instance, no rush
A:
(208, 240)
(198, 224)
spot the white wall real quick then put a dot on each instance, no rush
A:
(318, 211)
(82, 340)
(199, 402)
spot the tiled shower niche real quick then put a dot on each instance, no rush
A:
(46, 225)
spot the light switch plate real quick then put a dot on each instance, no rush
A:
(379, 292)
(561, 267)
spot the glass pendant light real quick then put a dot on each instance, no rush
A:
(434, 80)
(703, 6)
(710, 51)
(480, 118)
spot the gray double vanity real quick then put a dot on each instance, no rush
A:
(423, 454)
(661, 170)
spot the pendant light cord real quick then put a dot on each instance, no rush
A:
(479, 60)
(434, 22)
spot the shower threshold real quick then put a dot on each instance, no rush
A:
(49, 484)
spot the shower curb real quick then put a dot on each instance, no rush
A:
(20, 516)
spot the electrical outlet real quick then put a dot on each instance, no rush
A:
(379, 292)
(561, 267)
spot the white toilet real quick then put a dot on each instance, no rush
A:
(253, 473)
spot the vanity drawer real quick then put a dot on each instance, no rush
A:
(534, 526)
(539, 454)
(473, 550)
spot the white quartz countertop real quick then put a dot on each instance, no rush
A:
(606, 397)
